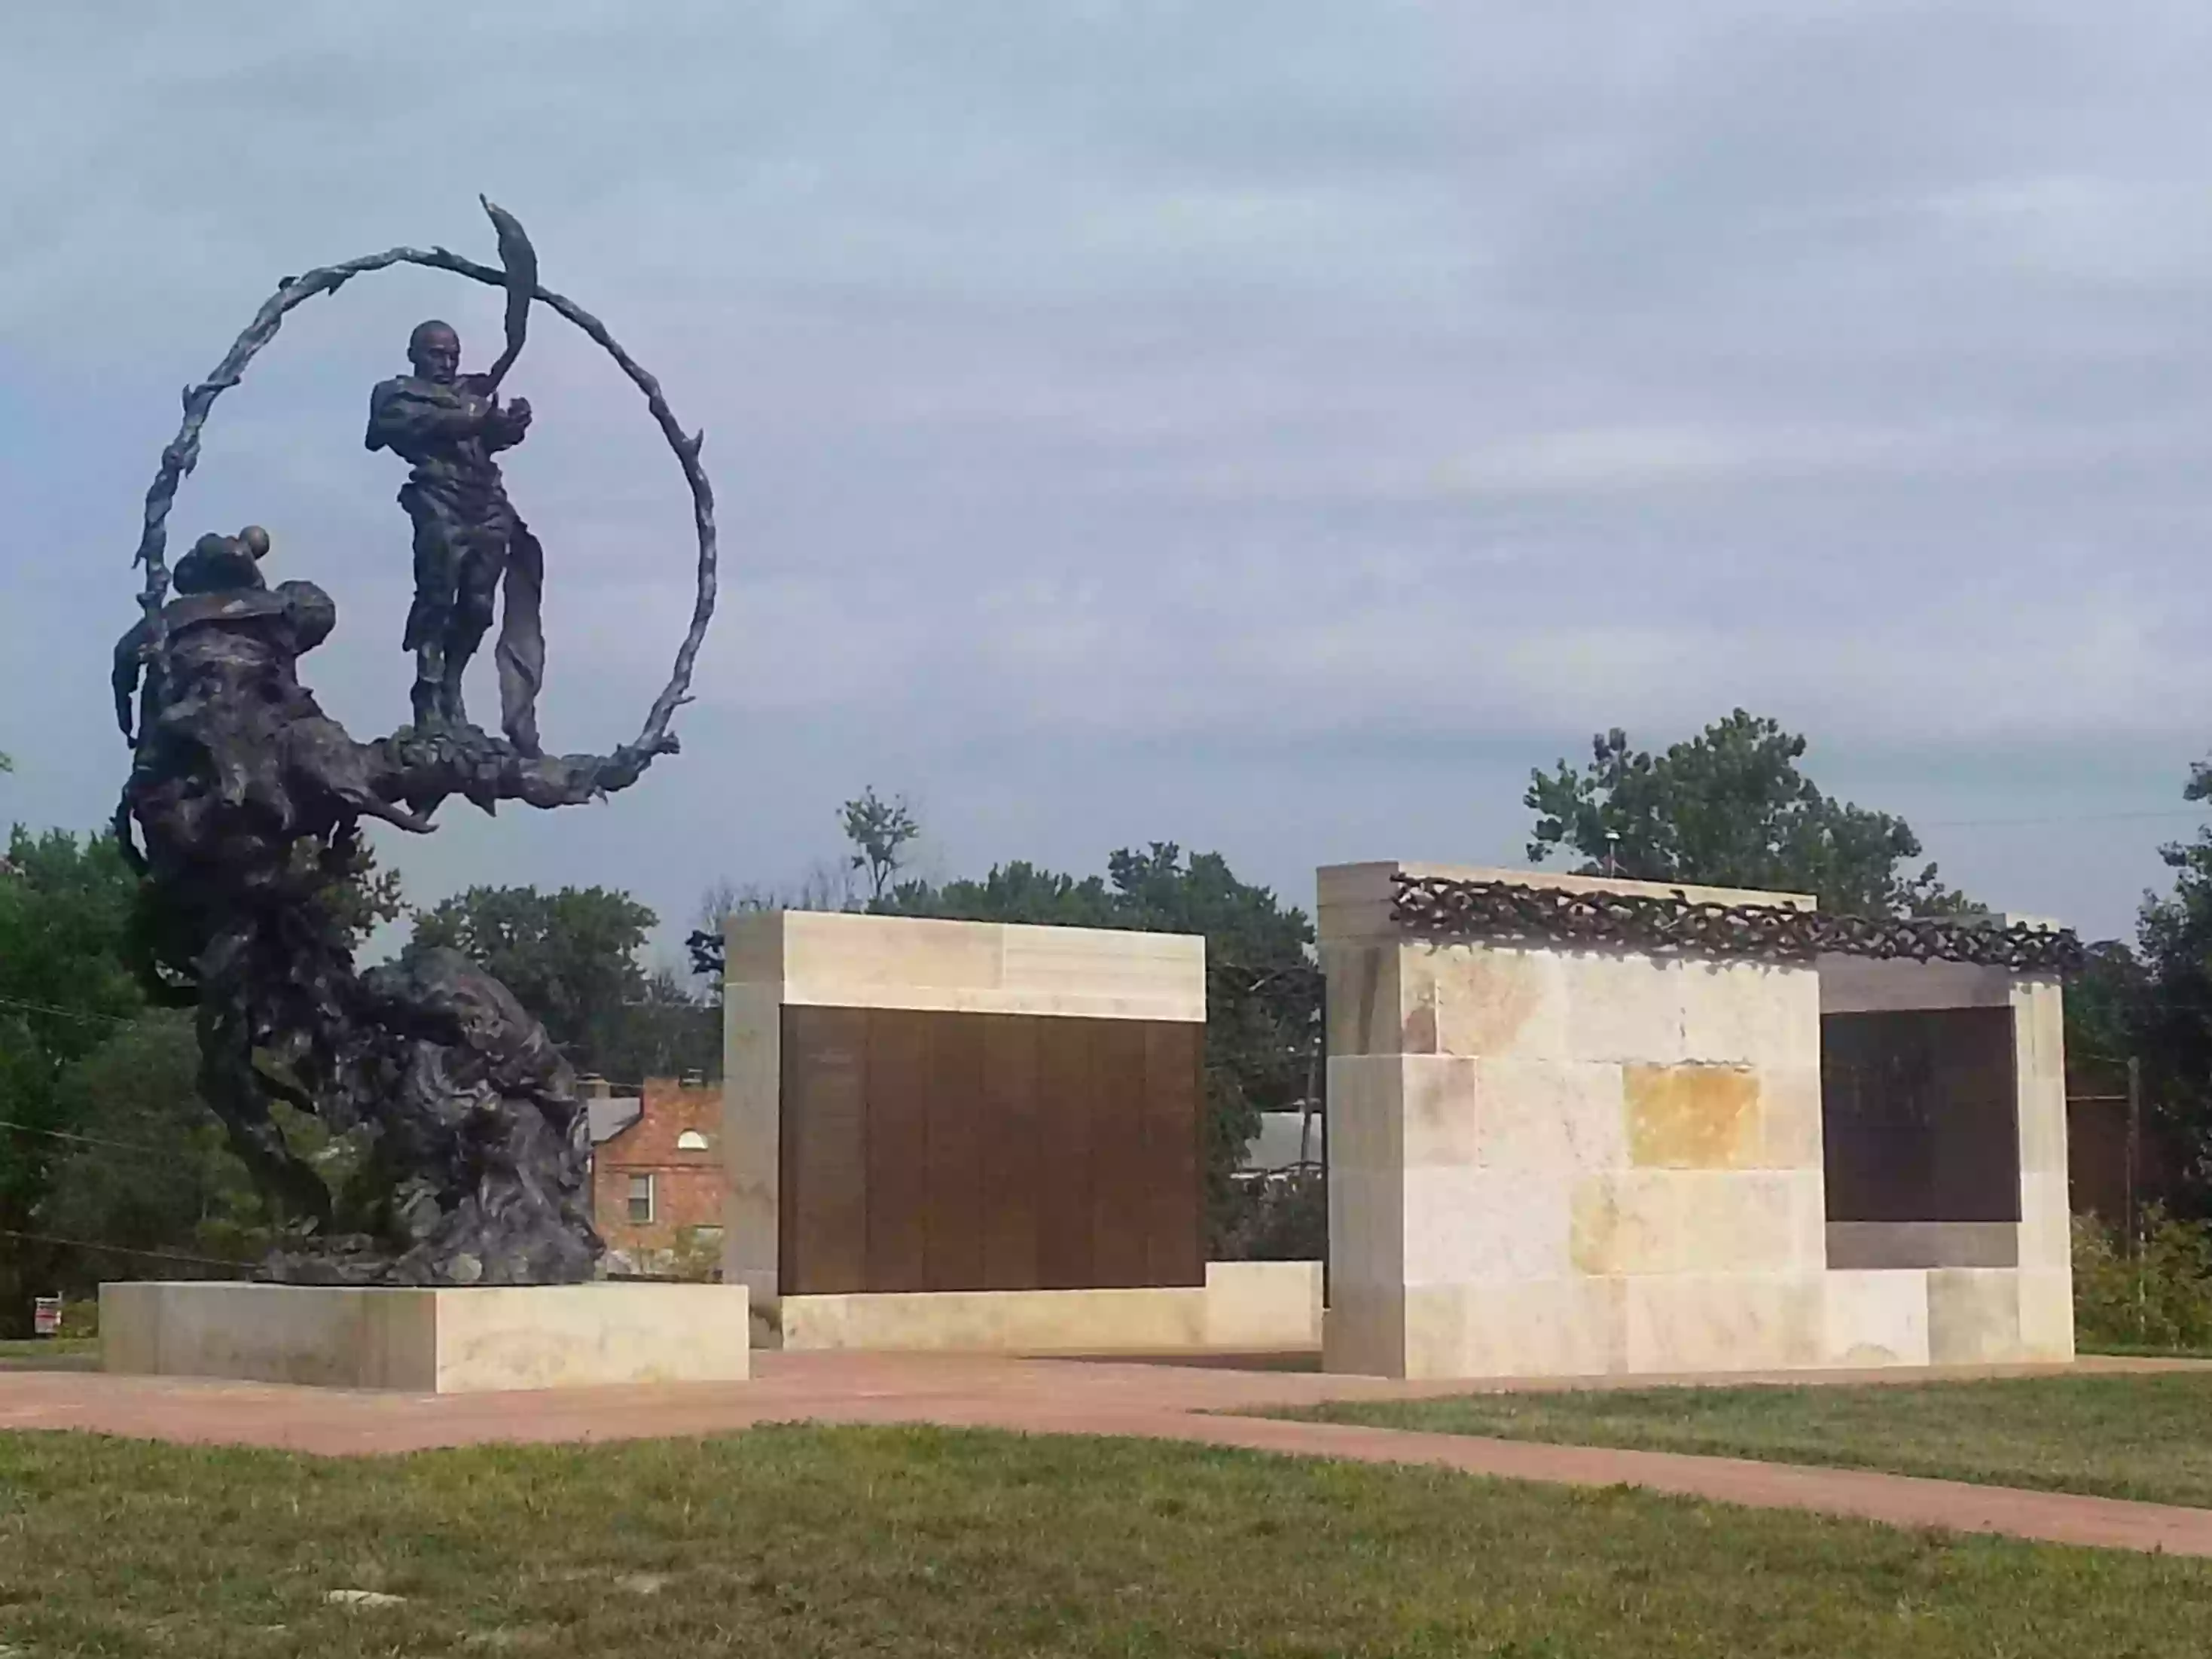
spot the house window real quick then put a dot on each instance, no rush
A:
(690, 1142)
(641, 1200)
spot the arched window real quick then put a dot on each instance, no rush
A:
(690, 1142)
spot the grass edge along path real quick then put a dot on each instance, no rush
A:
(2146, 1437)
(831, 1541)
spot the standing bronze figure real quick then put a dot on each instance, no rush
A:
(467, 535)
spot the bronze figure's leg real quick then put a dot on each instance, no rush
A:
(520, 653)
(429, 618)
(233, 1089)
(476, 601)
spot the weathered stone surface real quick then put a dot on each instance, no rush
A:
(1251, 1306)
(1875, 1318)
(429, 1340)
(1486, 1002)
(1693, 1117)
(1790, 1117)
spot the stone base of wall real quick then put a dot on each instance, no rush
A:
(1255, 1307)
(1704, 1323)
(428, 1341)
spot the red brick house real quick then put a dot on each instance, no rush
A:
(657, 1179)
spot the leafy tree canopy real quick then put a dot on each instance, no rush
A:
(572, 958)
(153, 1172)
(1729, 808)
(2160, 1006)
(879, 831)
(66, 918)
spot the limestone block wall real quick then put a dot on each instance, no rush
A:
(1545, 1161)
(1555, 1161)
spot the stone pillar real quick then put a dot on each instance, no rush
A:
(2046, 1243)
(1546, 1160)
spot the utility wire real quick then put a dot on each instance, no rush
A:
(65, 1013)
(126, 1249)
(87, 1140)
(2084, 817)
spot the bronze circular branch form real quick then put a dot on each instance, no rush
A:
(182, 453)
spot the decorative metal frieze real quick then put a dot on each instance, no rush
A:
(1443, 908)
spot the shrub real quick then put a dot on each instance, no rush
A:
(2160, 1296)
(1282, 1217)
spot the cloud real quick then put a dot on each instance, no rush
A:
(1137, 418)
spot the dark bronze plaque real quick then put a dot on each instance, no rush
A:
(1918, 1114)
(948, 1151)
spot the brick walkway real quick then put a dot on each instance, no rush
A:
(1164, 1401)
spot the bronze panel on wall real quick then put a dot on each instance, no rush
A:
(989, 1151)
(1011, 1154)
(953, 1196)
(1118, 1154)
(898, 1150)
(1064, 1154)
(822, 1215)
(1174, 1197)
(1919, 1115)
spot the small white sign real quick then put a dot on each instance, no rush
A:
(46, 1315)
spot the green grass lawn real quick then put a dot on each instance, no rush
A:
(2147, 1436)
(810, 1541)
(50, 1353)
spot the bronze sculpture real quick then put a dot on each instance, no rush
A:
(243, 809)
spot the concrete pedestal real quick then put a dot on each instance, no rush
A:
(428, 1341)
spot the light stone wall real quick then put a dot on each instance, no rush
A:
(1547, 1161)
(425, 1340)
(775, 959)
(1253, 1307)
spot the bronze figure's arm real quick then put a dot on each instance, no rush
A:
(506, 428)
(129, 661)
(403, 418)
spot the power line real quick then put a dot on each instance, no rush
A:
(126, 1249)
(78, 1014)
(2084, 817)
(87, 1140)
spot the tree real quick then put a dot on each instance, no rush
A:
(1019, 891)
(1729, 808)
(2163, 1013)
(364, 898)
(879, 831)
(570, 957)
(666, 1030)
(153, 1173)
(80, 1049)
(66, 915)
(826, 886)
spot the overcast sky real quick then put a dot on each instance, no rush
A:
(1275, 427)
